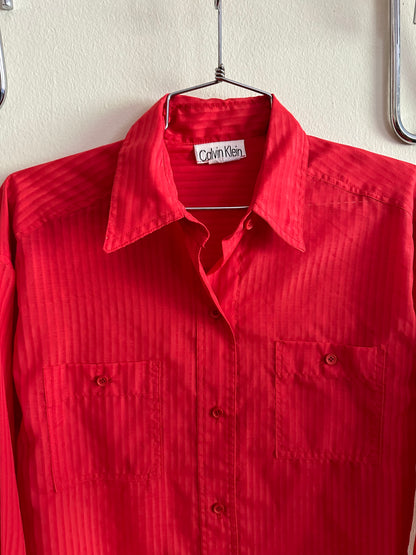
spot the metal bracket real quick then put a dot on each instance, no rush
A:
(395, 118)
(4, 5)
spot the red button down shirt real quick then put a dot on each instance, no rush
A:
(189, 382)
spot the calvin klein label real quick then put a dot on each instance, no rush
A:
(217, 153)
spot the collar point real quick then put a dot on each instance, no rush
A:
(109, 245)
(299, 244)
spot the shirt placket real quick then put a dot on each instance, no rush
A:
(216, 367)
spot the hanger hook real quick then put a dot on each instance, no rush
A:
(220, 70)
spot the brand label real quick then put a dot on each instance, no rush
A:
(217, 153)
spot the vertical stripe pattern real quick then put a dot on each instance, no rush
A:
(186, 382)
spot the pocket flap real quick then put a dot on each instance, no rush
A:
(79, 379)
(328, 359)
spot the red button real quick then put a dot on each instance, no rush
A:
(214, 313)
(217, 412)
(217, 508)
(249, 224)
(331, 359)
(101, 380)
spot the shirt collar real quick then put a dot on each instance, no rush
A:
(144, 196)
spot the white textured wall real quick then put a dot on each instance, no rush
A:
(81, 72)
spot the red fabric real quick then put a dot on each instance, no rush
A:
(208, 382)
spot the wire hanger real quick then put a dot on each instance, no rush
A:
(395, 117)
(219, 76)
(4, 5)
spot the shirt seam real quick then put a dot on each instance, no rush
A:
(185, 105)
(346, 185)
(192, 141)
(26, 232)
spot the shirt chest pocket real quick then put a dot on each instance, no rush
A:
(103, 421)
(329, 401)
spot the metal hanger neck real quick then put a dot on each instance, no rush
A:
(219, 76)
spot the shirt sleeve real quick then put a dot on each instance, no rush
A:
(11, 526)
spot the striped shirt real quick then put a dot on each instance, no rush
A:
(176, 381)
